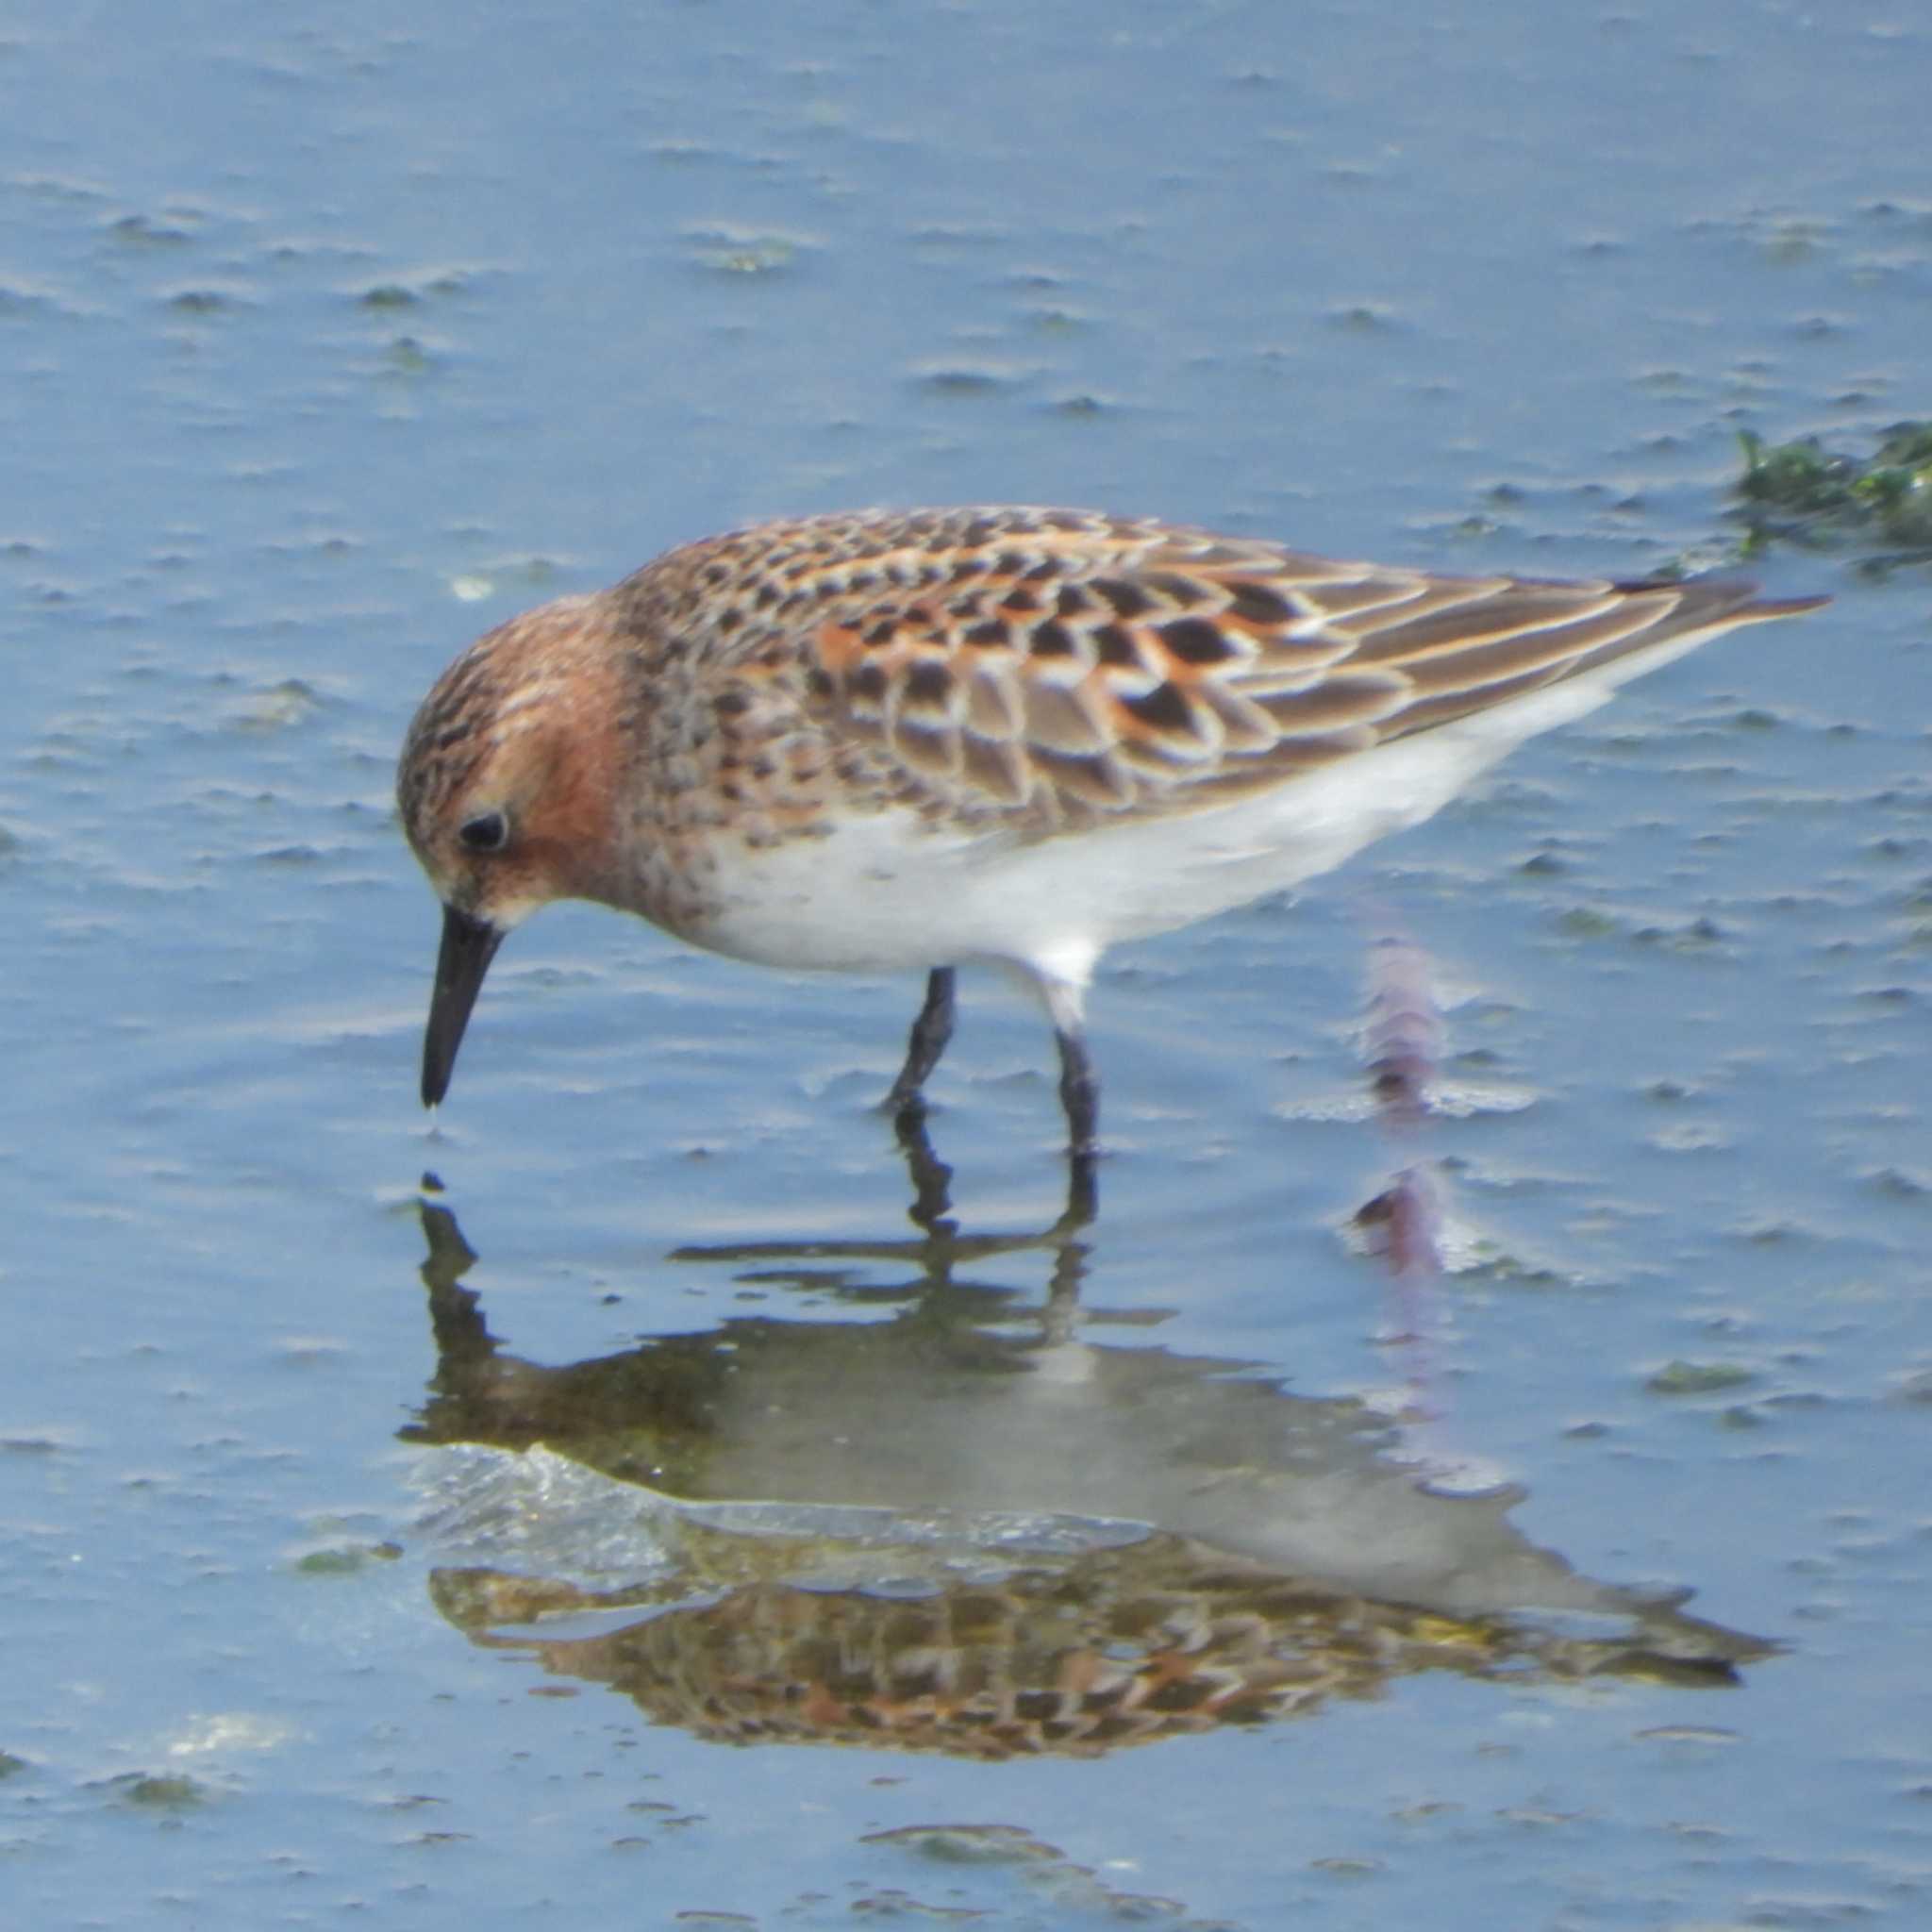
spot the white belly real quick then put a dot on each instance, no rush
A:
(887, 891)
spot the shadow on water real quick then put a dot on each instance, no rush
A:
(972, 1522)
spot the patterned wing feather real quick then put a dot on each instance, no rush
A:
(1043, 668)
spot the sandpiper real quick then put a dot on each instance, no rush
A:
(902, 739)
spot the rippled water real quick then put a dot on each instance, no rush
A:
(333, 336)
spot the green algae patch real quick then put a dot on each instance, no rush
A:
(160, 1793)
(345, 1560)
(1803, 492)
(1697, 1379)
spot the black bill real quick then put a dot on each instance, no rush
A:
(468, 947)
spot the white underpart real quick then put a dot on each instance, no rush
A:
(885, 894)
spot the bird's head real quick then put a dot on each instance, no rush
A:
(508, 792)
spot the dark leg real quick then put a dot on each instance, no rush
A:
(932, 1179)
(930, 1032)
(1083, 1197)
(1080, 1093)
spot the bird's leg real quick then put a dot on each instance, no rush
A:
(1061, 983)
(930, 1032)
(932, 1179)
(1080, 1093)
(1083, 1195)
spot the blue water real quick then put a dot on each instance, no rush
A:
(332, 336)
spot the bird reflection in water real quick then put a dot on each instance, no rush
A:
(980, 1524)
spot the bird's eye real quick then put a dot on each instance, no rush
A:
(489, 831)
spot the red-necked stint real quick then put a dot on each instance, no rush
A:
(889, 740)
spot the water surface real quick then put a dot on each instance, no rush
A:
(333, 336)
